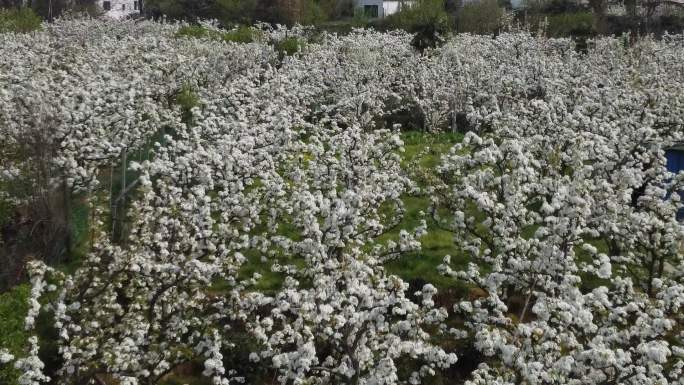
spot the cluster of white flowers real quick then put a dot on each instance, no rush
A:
(561, 197)
(349, 325)
(31, 366)
(247, 160)
(5, 356)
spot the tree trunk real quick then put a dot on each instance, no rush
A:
(66, 195)
(122, 204)
(631, 7)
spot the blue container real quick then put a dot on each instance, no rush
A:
(675, 163)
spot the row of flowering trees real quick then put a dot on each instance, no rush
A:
(234, 162)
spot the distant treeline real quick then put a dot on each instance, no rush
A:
(557, 18)
(250, 11)
(50, 9)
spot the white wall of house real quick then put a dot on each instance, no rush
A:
(385, 7)
(394, 6)
(377, 4)
(119, 9)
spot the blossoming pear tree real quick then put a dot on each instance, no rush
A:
(567, 211)
(208, 164)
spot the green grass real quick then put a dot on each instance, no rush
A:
(421, 149)
(434, 246)
(289, 46)
(242, 34)
(80, 225)
(422, 153)
(193, 31)
(13, 337)
(270, 281)
(426, 149)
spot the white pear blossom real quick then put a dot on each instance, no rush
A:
(235, 163)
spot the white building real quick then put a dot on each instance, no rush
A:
(371, 8)
(118, 9)
(393, 6)
(377, 9)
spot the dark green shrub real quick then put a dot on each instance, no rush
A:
(482, 18)
(194, 31)
(340, 27)
(337, 9)
(571, 24)
(236, 11)
(20, 20)
(360, 19)
(619, 25)
(311, 13)
(428, 19)
(52, 9)
(670, 23)
(405, 113)
(557, 7)
(190, 10)
(419, 16)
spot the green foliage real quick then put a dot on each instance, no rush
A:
(21, 20)
(191, 10)
(422, 153)
(428, 19)
(13, 309)
(289, 46)
(187, 99)
(312, 13)
(505, 4)
(193, 31)
(575, 24)
(52, 9)
(435, 245)
(360, 19)
(563, 6)
(672, 23)
(242, 34)
(168, 8)
(482, 18)
(6, 211)
(423, 14)
(337, 9)
(553, 7)
(236, 11)
(80, 226)
(571, 24)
